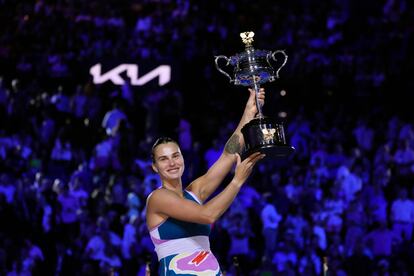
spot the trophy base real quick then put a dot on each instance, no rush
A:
(275, 152)
(264, 135)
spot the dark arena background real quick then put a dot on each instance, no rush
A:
(86, 87)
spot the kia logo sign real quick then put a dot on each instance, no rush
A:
(162, 72)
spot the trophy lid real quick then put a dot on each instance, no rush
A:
(247, 38)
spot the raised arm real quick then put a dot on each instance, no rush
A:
(205, 185)
(164, 203)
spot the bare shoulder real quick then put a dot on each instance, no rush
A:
(154, 205)
(157, 195)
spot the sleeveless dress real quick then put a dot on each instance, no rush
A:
(183, 248)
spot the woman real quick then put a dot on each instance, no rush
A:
(178, 220)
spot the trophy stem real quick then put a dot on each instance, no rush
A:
(256, 88)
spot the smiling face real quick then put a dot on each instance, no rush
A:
(168, 161)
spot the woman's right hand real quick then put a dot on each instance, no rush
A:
(250, 111)
(244, 169)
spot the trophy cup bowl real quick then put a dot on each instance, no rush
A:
(253, 68)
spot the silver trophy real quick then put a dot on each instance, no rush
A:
(253, 68)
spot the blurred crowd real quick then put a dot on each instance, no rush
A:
(75, 166)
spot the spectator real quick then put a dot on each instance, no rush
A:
(402, 215)
(68, 215)
(380, 240)
(364, 136)
(404, 157)
(240, 249)
(270, 222)
(285, 257)
(112, 119)
(348, 183)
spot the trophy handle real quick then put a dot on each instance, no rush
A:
(275, 59)
(221, 70)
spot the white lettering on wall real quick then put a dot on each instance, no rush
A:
(163, 72)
